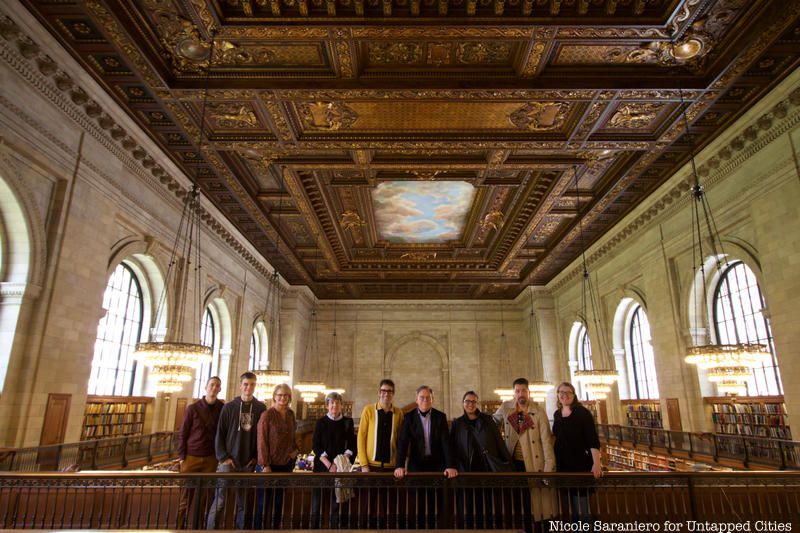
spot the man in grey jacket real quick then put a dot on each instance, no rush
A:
(236, 445)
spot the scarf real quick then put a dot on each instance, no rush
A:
(520, 424)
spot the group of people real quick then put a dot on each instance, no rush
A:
(244, 435)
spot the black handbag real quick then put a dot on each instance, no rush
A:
(494, 464)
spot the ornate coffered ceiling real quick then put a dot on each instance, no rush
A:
(429, 148)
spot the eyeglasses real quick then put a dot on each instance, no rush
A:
(566, 393)
(386, 391)
(471, 402)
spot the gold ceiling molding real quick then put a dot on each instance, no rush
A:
(273, 33)
(228, 53)
(112, 27)
(327, 116)
(418, 256)
(540, 116)
(350, 220)
(533, 63)
(395, 53)
(493, 220)
(443, 32)
(441, 94)
(610, 33)
(482, 53)
(635, 115)
(94, 120)
(780, 118)
(233, 116)
(344, 54)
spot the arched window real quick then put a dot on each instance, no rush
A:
(208, 337)
(113, 364)
(254, 350)
(639, 354)
(738, 317)
(584, 350)
(259, 347)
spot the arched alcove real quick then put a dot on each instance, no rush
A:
(419, 359)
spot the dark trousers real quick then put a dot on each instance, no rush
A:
(269, 502)
(191, 495)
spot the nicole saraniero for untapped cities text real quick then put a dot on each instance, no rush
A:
(668, 526)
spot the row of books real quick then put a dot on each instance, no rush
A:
(113, 408)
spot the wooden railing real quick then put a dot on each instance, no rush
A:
(378, 501)
(714, 447)
(96, 454)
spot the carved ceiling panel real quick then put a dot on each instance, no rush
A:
(548, 111)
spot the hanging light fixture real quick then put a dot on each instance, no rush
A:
(174, 362)
(728, 364)
(333, 363)
(505, 394)
(272, 376)
(309, 390)
(267, 379)
(596, 382)
(538, 388)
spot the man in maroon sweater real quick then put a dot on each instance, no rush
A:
(196, 445)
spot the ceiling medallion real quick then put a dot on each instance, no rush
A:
(494, 220)
(687, 49)
(539, 116)
(351, 220)
(192, 49)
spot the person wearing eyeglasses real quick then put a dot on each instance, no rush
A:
(378, 430)
(277, 452)
(577, 447)
(530, 443)
(477, 446)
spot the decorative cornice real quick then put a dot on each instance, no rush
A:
(43, 74)
(765, 129)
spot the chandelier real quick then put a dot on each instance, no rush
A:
(597, 382)
(333, 362)
(538, 388)
(268, 378)
(728, 364)
(310, 389)
(174, 362)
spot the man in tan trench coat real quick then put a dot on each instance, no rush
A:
(530, 443)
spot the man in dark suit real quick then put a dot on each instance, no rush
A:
(423, 446)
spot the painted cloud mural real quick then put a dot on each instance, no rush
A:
(422, 211)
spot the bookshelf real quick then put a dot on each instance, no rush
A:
(632, 460)
(643, 413)
(752, 416)
(591, 405)
(490, 406)
(114, 416)
(316, 410)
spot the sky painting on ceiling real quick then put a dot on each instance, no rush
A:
(422, 211)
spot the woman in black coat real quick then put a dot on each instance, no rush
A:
(476, 446)
(577, 446)
(333, 435)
